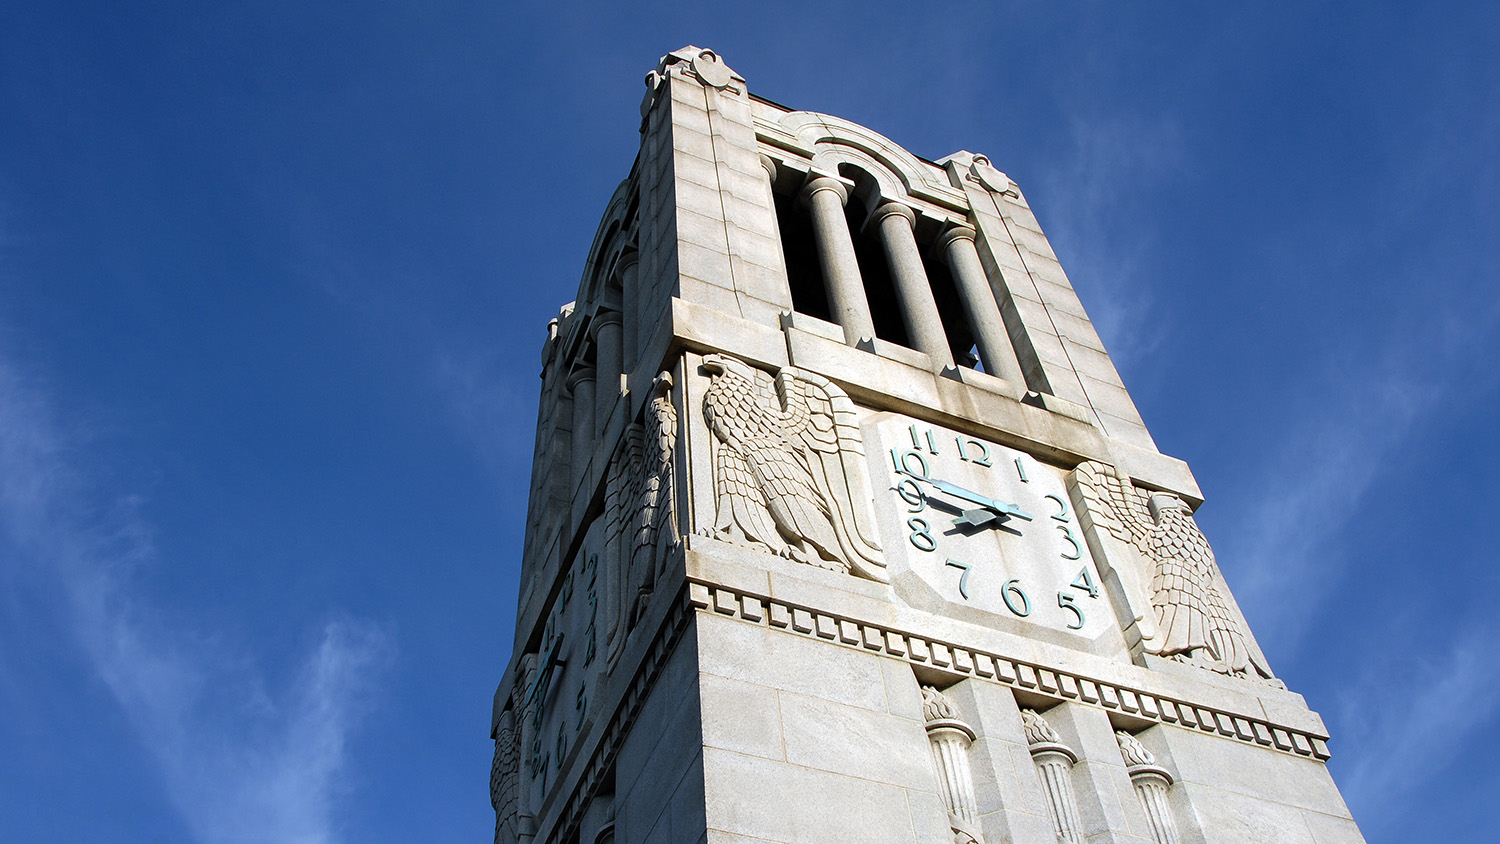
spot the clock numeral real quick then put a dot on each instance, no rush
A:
(1062, 507)
(562, 743)
(912, 494)
(583, 703)
(1065, 600)
(902, 461)
(1085, 581)
(921, 537)
(1011, 592)
(963, 579)
(918, 442)
(537, 762)
(963, 454)
(567, 589)
(1077, 549)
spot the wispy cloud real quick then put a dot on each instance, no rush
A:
(1112, 158)
(1406, 740)
(241, 762)
(1335, 450)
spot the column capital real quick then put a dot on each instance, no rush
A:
(828, 183)
(1149, 773)
(769, 164)
(578, 376)
(956, 232)
(629, 257)
(603, 319)
(886, 209)
(1044, 751)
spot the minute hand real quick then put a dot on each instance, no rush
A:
(976, 498)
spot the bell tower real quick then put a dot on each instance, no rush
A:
(843, 528)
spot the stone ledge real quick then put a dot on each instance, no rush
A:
(962, 660)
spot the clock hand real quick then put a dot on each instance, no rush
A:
(977, 517)
(999, 507)
(543, 679)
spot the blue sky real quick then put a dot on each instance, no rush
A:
(274, 280)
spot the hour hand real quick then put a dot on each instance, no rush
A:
(998, 507)
(978, 517)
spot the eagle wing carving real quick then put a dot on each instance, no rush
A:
(1195, 623)
(788, 467)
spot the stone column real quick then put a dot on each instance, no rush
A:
(1054, 764)
(608, 365)
(950, 739)
(995, 351)
(630, 296)
(1151, 782)
(918, 308)
(846, 291)
(581, 439)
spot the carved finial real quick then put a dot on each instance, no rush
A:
(935, 707)
(1038, 731)
(1134, 752)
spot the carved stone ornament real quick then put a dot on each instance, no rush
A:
(712, 70)
(1151, 782)
(789, 468)
(981, 171)
(1054, 767)
(505, 774)
(640, 506)
(950, 739)
(1194, 624)
(1132, 751)
(1038, 731)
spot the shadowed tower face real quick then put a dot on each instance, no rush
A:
(843, 528)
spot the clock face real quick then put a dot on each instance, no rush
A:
(979, 531)
(556, 702)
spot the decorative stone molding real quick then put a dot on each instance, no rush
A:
(640, 510)
(1193, 622)
(703, 66)
(769, 165)
(1151, 782)
(1006, 671)
(789, 468)
(981, 171)
(1054, 765)
(505, 773)
(950, 739)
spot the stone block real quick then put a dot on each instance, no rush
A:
(1328, 829)
(694, 157)
(767, 800)
(856, 742)
(1128, 431)
(1109, 398)
(770, 658)
(692, 288)
(708, 232)
(1254, 772)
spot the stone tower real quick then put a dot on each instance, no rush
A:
(844, 529)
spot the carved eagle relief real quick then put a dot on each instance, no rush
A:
(788, 464)
(639, 506)
(1195, 624)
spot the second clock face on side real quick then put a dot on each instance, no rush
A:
(981, 531)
